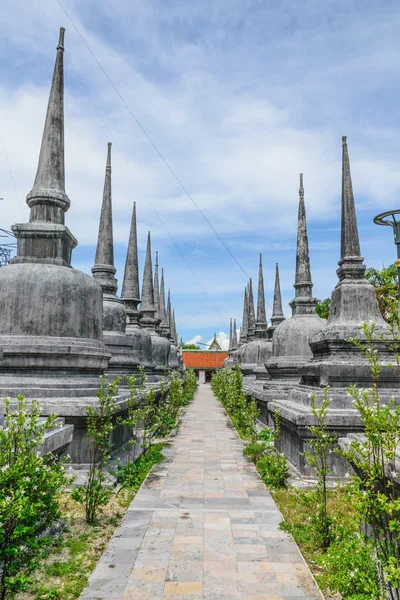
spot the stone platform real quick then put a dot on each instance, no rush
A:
(203, 525)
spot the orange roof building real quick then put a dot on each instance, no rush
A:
(204, 362)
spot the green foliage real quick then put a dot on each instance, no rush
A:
(227, 385)
(349, 568)
(255, 450)
(321, 444)
(322, 308)
(374, 459)
(190, 347)
(30, 487)
(96, 493)
(273, 469)
(180, 393)
(348, 564)
(190, 385)
(266, 435)
(133, 474)
(386, 288)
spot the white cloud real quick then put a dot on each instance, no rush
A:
(237, 107)
(195, 340)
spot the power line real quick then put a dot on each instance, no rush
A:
(131, 169)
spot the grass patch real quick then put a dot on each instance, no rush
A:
(298, 507)
(63, 574)
(346, 568)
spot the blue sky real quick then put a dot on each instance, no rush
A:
(240, 96)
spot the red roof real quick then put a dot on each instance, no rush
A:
(203, 359)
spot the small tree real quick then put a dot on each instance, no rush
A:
(30, 486)
(321, 445)
(190, 385)
(96, 492)
(323, 307)
(386, 289)
(373, 456)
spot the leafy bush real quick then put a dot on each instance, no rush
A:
(256, 450)
(227, 385)
(96, 493)
(349, 568)
(321, 444)
(374, 458)
(273, 469)
(266, 435)
(30, 487)
(190, 385)
(133, 474)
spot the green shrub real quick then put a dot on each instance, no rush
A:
(227, 385)
(96, 491)
(273, 469)
(266, 435)
(190, 385)
(349, 568)
(256, 450)
(30, 487)
(133, 474)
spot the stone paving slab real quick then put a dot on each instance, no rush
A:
(203, 526)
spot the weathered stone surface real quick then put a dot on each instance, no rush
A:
(277, 312)
(291, 337)
(336, 362)
(50, 314)
(130, 295)
(160, 346)
(124, 357)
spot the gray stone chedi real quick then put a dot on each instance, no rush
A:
(61, 329)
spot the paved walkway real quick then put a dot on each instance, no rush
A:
(202, 526)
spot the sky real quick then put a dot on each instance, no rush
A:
(233, 99)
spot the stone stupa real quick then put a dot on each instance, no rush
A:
(291, 337)
(262, 333)
(124, 357)
(160, 346)
(336, 362)
(245, 324)
(258, 349)
(173, 355)
(51, 315)
(277, 312)
(130, 296)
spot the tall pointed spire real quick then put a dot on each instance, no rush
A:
(245, 320)
(47, 199)
(350, 245)
(351, 263)
(169, 315)
(303, 283)
(252, 316)
(277, 312)
(46, 239)
(230, 335)
(163, 312)
(147, 308)
(303, 302)
(130, 294)
(234, 336)
(261, 323)
(157, 291)
(103, 269)
(174, 336)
